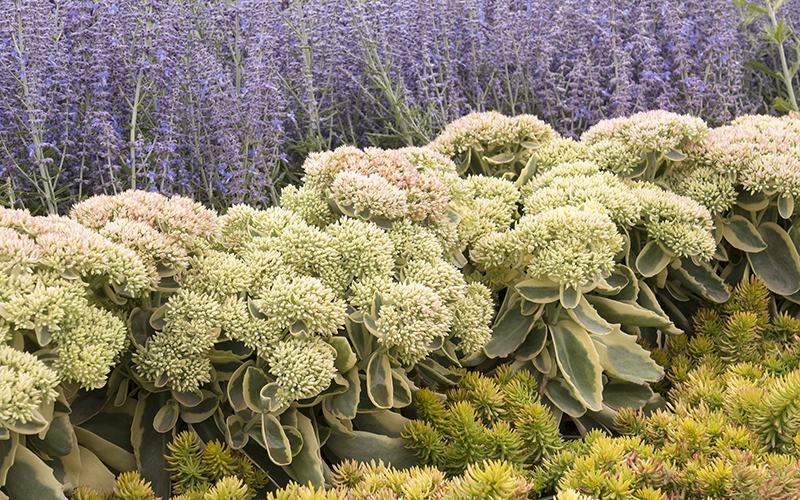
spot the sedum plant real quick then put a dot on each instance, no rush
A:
(494, 145)
(583, 272)
(500, 418)
(293, 331)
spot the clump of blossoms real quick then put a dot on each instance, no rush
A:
(679, 224)
(376, 184)
(644, 143)
(56, 291)
(762, 153)
(492, 144)
(569, 245)
(557, 151)
(486, 204)
(575, 183)
(704, 184)
(162, 231)
(26, 383)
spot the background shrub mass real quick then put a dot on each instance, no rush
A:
(219, 100)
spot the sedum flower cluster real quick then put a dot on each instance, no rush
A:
(679, 224)
(762, 153)
(704, 184)
(621, 144)
(374, 183)
(51, 291)
(487, 130)
(162, 231)
(25, 384)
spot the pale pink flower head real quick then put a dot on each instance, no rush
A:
(760, 152)
(388, 184)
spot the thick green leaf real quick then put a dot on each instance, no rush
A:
(8, 449)
(786, 205)
(652, 259)
(621, 394)
(59, 440)
(94, 474)
(188, 399)
(345, 405)
(501, 159)
(675, 155)
(367, 446)
(167, 417)
(383, 422)
(616, 282)
(295, 439)
(625, 313)
(534, 343)
(157, 319)
(275, 439)
(562, 395)
(527, 172)
(235, 387)
(380, 388)
(307, 466)
(544, 361)
(579, 362)
(237, 437)
(360, 337)
(345, 357)
(139, 328)
(752, 202)
(254, 380)
(149, 445)
(569, 297)
(401, 396)
(742, 234)
(114, 456)
(31, 479)
(586, 316)
(202, 411)
(779, 264)
(621, 356)
(508, 332)
(437, 373)
(701, 280)
(648, 300)
(539, 291)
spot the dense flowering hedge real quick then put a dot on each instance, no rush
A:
(219, 101)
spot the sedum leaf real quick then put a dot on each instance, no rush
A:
(579, 362)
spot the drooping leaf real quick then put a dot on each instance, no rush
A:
(275, 439)
(652, 259)
(621, 356)
(8, 450)
(295, 439)
(539, 291)
(621, 394)
(201, 411)
(93, 473)
(534, 343)
(380, 387)
(307, 465)
(401, 396)
(31, 479)
(786, 205)
(114, 456)
(508, 332)
(586, 316)
(779, 264)
(383, 422)
(626, 313)
(59, 440)
(253, 381)
(149, 445)
(345, 357)
(167, 417)
(367, 446)
(742, 234)
(235, 387)
(752, 202)
(579, 362)
(345, 405)
(615, 282)
(562, 395)
(701, 279)
(569, 297)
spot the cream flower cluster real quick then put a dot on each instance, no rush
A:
(25, 384)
